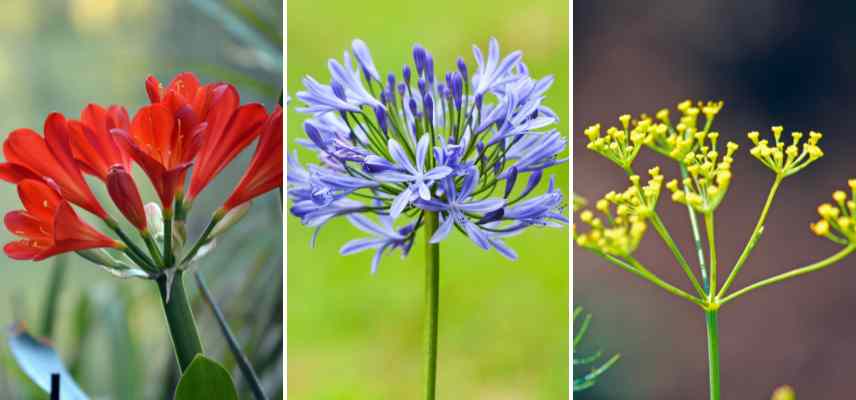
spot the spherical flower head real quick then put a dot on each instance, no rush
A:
(677, 140)
(838, 219)
(782, 158)
(469, 146)
(622, 225)
(619, 144)
(709, 175)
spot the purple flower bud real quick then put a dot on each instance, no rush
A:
(421, 85)
(462, 67)
(380, 113)
(338, 90)
(390, 79)
(510, 180)
(405, 73)
(402, 88)
(441, 88)
(457, 85)
(429, 68)
(419, 55)
(479, 99)
(414, 108)
(428, 105)
(314, 135)
(492, 216)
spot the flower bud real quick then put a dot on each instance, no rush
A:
(229, 219)
(125, 195)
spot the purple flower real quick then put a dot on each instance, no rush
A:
(449, 143)
(385, 237)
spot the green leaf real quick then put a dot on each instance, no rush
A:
(205, 379)
(39, 360)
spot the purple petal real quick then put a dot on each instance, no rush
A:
(399, 203)
(443, 230)
(358, 245)
(437, 173)
(482, 206)
(400, 157)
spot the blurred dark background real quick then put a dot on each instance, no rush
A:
(773, 63)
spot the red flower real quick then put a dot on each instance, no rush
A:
(231, 128)
(93, 146)
(125, 195)
(184, 91)
(29, 156)
(265, 170)
(163, 143)
(49, 225)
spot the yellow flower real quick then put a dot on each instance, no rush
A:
(709, 175)
(622, 225)
(782, 158)
(676, 141)
(838, 221)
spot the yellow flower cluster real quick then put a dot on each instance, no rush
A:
(624, 215)
(676, 141)
(621, 145)
(838, 222)
(786, 160)
(709, 176)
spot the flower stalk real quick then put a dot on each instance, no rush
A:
(179, 318)
(432, 304)
(713, 352)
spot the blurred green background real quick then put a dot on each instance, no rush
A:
(503, 325)
(61, 55)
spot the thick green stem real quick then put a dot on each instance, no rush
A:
(179, 317)
(432, 297)
(153, 249)
(713, 352)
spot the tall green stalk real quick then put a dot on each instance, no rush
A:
(713, 352)
(179, 318)
(432, 304)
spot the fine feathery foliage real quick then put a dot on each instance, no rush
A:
(587, 362)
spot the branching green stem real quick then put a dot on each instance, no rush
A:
(753, 239)
(643, 273)
(673, 247)
(711, 240)
(793, 273)
(713, 352)
(702, 263)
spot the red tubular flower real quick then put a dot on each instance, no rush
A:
(48, 225)
(93, 146)
(29, 156)
(184, 91)
(124, 193)
(265, 170)
(163, 143)
(231, 128)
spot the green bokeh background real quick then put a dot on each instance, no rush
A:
(503, 325)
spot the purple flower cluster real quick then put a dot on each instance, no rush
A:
(456, 144)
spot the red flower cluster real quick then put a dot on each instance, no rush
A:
(186, 124)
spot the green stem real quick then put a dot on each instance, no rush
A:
(753, 239)
(153, 248)
(141, 258)
(243, 362)
(179, 318)
(702, 264)
(670, 243)
(711, 240)
(432, 297)
(793, 273)
(644, 274)
(713, 352)
(169, 258)
(204, 237)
